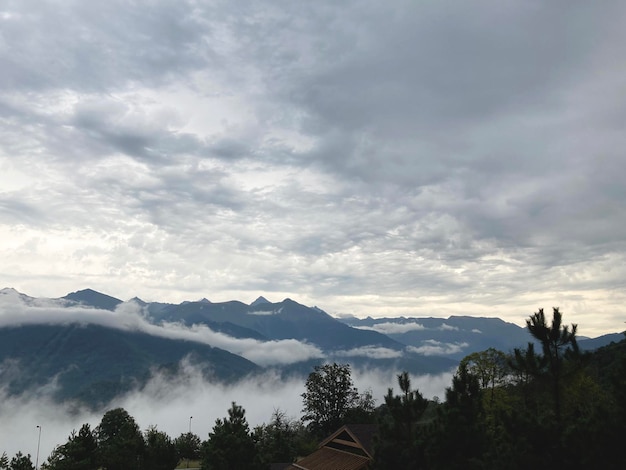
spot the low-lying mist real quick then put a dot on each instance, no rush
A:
(168, 403)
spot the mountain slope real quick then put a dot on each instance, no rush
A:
(282, 320)
(92, 298)
(93, 363)
(455, 337)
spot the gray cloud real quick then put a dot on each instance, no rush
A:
(373, 159)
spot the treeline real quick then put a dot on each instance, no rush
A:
(541, 408)
(550, 406)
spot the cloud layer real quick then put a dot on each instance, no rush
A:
(168, 402)
(129, 316)
(418, 158)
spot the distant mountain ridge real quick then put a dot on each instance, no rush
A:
(94, 362)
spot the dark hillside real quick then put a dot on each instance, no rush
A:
(93, 363)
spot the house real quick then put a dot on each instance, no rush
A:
(348, 448)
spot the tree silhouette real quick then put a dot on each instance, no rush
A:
(398, 443)
(462, 439)
(188, 446)
(160, 452)
(279, 441)
(230, 445)
(78, 453)
(120, 443)
(330, 394)
(21, 462)
(557, 341)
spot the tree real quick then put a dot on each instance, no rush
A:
(21, 462)
(279, 440)
(329, 395)
(539, 426)
(78, 453)
(188, 446)
(493, 373)
(120, 443)
(4, 461)
(398, 444)
(230, 445)
(557, 342)
(160, 453)
(461, 442)
(490, 366)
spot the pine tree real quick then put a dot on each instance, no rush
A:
(398, 444)
(230, 445)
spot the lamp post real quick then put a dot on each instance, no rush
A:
(38, 442)
(189, 437)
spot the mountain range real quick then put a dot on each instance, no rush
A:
(91, 347)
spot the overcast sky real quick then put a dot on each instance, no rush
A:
(371, 158)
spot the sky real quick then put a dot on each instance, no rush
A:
(416, 158)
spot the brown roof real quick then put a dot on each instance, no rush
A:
(348, 448)
(358, 436)
(326, 458)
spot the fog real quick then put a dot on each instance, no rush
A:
(168, 403)
(431, 347)
(18, 310)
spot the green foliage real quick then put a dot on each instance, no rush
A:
(78, 453)
(363, 411)
(558, 343)
(331, 397)
(230, 445)
(399, 444)
(281, 440)
(4, 461)
(458, 438)
(160, 451)
(21, 462)
(120, 443)
(188, 446)
(489, 366)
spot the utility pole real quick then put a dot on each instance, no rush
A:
(38, 442)
(189, 437)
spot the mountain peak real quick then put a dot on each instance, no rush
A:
(138, 301)
(93, 298)
(260, 301)
(8, 290)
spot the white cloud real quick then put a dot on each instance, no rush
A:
(431, 347)
(388, 328)
(446, 327)
(129, 316)
(374, 352)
